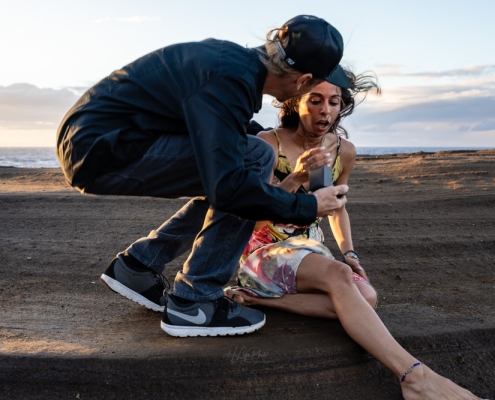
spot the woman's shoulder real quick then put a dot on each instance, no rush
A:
(269, 137)
(347, 149)
(264, 134)
(274, 135)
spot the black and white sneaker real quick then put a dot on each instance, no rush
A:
(219, 317)
(142, 285)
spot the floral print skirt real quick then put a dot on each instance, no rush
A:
(270, 271)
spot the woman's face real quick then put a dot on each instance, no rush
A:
(319, 108)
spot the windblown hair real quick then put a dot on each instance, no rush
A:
(270, 56)
(359, 84)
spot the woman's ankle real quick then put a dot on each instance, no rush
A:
(410, 370)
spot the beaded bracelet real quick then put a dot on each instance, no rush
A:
(409, 370)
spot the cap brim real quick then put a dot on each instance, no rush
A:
(338, 78)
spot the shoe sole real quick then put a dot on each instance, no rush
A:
(193, 331)
(117, 287)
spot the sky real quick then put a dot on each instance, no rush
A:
(434, 60)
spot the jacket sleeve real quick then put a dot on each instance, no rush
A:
(217, 116)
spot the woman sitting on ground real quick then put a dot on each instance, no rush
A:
(310, 136)
(288, 267)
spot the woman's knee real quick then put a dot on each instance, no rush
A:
(338, 273)
(369, 293)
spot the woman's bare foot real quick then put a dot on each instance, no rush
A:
(241, 297)
(424, 384)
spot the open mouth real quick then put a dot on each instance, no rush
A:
(323, 125)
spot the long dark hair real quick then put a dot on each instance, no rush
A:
(289, 116)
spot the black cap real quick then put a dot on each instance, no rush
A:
(314, 46)
(339, 78)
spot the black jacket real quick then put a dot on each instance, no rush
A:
(208, 90)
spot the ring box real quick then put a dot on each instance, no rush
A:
(320, 177)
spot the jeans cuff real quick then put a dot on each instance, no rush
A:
(158, 269)
(185, 294)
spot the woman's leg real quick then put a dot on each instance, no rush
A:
(318, 305)
(363, 325)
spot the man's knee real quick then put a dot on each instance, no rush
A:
(262, 155)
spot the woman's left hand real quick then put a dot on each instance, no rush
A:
(356, 267)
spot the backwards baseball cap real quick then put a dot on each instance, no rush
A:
(314, 46)
(339, 78)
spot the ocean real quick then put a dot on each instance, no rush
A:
(44, 157)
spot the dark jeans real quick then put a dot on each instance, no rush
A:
(168, 169)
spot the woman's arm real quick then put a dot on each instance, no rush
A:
(313, 158)
(339, 221)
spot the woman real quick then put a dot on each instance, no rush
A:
(310, 136)
(287, 267)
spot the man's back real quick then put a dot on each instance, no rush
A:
(150, 96)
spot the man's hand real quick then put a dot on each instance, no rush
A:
(327, 199)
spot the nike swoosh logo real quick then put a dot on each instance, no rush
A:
(198, 319)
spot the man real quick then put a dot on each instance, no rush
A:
(173, 123)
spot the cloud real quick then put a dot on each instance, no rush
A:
(464, 111)
(421, 117)
(78, 90)
(485, 126)
(389, 69)
(456, 114)
(468, 71)
(25, 106)
(471, 71)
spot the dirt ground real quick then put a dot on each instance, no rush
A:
(423, 224)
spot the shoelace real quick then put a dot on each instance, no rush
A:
(232, 304)
(163, 280)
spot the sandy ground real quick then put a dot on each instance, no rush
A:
(424, 225)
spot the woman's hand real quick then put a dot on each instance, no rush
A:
(310, 159)
(356, 267)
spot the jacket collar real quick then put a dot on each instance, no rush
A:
(260, 79)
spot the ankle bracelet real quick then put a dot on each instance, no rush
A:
(409, 370)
